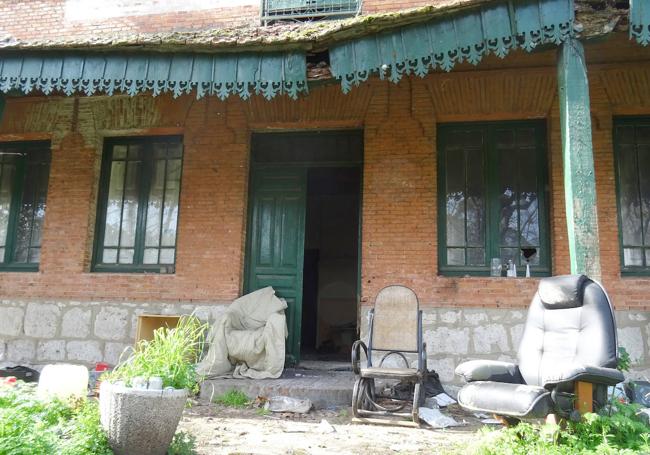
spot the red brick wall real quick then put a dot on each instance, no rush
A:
(399, 232)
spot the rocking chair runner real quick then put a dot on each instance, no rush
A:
(395, 329)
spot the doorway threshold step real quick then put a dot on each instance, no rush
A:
(325, 389)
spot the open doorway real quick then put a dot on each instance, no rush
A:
(303, 235)
(330, 274)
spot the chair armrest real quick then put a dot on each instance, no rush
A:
(356, 355)
(585, 373)
(489, 370)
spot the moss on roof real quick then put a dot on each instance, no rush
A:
(309, 35)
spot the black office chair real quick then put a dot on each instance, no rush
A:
(568, 353)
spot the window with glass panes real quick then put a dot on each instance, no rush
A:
(138, 204)
(632, 152)
(24, 173)
(492, 180)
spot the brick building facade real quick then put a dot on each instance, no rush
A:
(67, 311)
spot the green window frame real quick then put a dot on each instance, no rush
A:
(632, 168)
(24, 176)
(492, 197)
(138, 205)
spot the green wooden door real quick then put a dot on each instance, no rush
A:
(275, 245)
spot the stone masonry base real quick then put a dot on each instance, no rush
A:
(36, 333)
(455, 335)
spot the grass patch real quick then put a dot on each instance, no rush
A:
(233, 399)
(31, 426)
(622, 431)
(182, 444)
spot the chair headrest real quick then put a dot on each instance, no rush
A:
(563, 291)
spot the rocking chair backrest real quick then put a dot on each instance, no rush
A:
(395, 320)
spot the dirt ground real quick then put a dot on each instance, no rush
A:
(223, 430)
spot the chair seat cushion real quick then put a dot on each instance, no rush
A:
(517, 400)
(400, 373)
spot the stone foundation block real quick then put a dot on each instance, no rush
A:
(447, 340)
(113, 351)
(76, 323)
(51, 350)
(41, 320)
(444, 367)
(84, 351)
(490, 338)
(21, 350)
(111, 323)
(11, 321)
(631, 338)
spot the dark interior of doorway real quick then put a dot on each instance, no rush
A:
(329, 305)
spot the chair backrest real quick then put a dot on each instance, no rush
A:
(570, 321)
(395, 320)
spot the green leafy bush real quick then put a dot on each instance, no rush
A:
(171, 354)
(620, 431)
(33, 426)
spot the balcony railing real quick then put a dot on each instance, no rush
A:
(273, 10)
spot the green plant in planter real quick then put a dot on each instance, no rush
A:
(171, 354)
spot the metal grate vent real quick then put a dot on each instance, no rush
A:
(308, 9)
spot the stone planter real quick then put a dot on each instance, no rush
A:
(139, 421)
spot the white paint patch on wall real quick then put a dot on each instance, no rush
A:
(89, 10)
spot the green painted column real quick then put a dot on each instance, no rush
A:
(578, 159)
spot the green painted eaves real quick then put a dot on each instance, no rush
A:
(89, 73)
(640, 21)
(496, 27)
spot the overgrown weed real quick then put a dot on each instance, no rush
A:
(621, 431)
(233, 398)
(33, 426)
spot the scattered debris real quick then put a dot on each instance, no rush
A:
(325, 427)
(431, 402)
(260, 402)
(405, 448)
(288, 404)
(645, 415)
(444, 400)
(481, 415)
(20, 372)
(638, 392)
(491, 421)
(295, 429)
(617, 393)
(437, 419)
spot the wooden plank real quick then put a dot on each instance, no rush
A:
(578, 159)
(148, 323)
(584, 396)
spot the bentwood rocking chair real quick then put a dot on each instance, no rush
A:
(395, 330)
